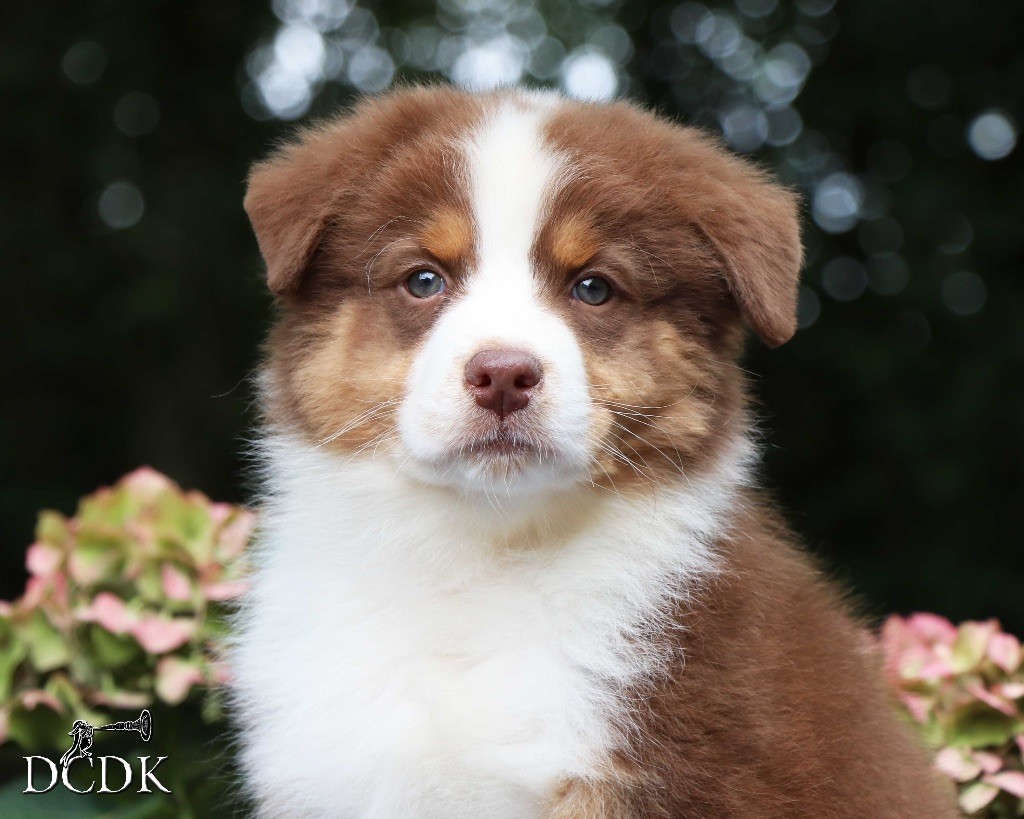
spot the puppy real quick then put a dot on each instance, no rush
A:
(512, 562)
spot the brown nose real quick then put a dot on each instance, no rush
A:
(503, 380)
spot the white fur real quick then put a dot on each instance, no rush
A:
(409, 652)
(426, 639)
(512, 177)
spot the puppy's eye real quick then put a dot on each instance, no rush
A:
(424, 283)
(592, 290)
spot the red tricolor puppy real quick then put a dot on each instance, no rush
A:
(512, 563)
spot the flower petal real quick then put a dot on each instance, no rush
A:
(146, 482)
(957, 764)
(109, 611)
(972, 644)
(225, 590)
(1010, 690)
(235, 535)
(1005, 651)
(989, 762)
(1009, 781)
(158, 636)
(917, 705)
(931, 628)
(42, 559)
(175, 582)
(34, 698)
(175, 678)
(991, 699)
(974, 797)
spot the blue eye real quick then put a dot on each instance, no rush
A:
(592, 290)
(424, 283)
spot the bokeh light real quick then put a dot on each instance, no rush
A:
(964, 292)
(477, 45)
(837, 202)
(739, 68)
(992, 135)
(590, 76)
(888, 274)
(121, 205)
(844, 278)
(84, 62)
(136, 114)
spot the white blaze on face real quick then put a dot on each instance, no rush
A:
(512, 178)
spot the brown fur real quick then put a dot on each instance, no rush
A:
(342, 218)
(681, 178)
(330, 210)
(773, 708)
(574, 242)
(449, 237)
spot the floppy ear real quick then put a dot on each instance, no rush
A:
(294, 195)
(754, 224)
(289, 203)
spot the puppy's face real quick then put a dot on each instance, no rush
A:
(512, 292)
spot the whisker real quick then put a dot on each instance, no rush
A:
(676, 463)
(364, 417)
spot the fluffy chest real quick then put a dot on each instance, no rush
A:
(411, 701)
(405, 664)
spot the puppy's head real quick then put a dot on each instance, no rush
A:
(513, 291)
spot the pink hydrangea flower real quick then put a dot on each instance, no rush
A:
(109, 611)
(175, 678)
(175, 582)
(43, 559)
(158, 635)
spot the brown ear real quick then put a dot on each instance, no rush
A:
(297, 193)
(289, 202)
(754, 224)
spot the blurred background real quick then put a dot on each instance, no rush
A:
(895, 418)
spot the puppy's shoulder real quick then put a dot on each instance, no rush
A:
(776, 703)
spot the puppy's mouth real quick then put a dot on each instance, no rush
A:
(509, 445)
(502, 442)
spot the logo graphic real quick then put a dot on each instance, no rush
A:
(81, 732)
(82, 735)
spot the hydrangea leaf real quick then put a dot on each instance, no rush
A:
(186, 521)
(978, 726)
(47, 649)
(12, 652)
(107, 507)
(971, 645)
(95, 556)
(37, 729)
(52, 527)
(111, 650)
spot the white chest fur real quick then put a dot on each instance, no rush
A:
(407, 654)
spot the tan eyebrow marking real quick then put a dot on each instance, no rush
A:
(574, 242)
(448, 236)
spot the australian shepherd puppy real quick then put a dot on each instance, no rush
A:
(512, 561)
